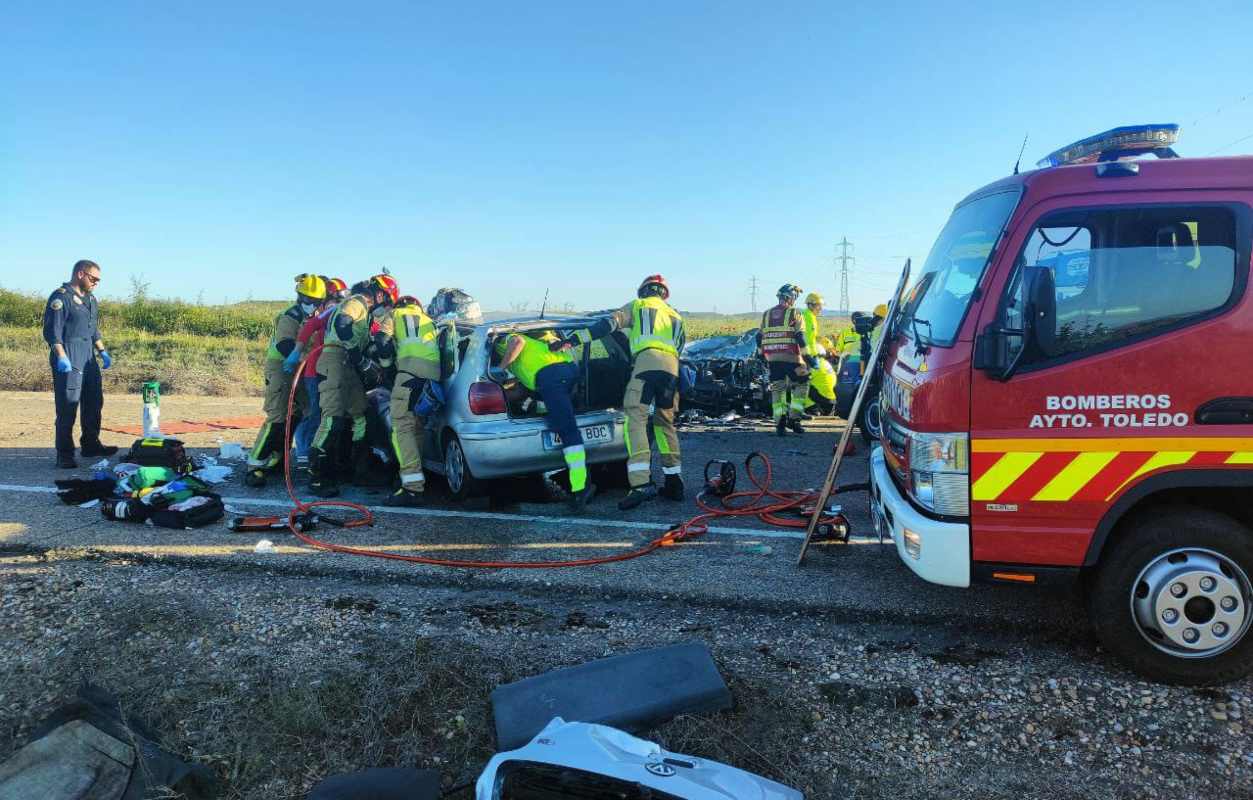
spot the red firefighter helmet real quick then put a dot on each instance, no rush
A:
(387, 285)
(336, 288)
(654, 280)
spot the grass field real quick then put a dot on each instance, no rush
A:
(199, 349)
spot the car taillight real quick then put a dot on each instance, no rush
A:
(486, 398)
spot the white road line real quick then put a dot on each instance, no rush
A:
(596, 522)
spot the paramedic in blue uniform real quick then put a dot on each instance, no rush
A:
(73, 335)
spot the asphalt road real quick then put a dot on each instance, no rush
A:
(852, 677)
(861, 581)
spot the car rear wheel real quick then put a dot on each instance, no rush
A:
(461, 481)
(1173, 597)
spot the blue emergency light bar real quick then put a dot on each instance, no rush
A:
(1124, 142)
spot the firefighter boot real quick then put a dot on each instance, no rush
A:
(795, 425)
(321, 478)
(780, 426)
(254, 478)
(673, 488)
(578, 500)
(405, 498)
(361, 472)
(638, 496)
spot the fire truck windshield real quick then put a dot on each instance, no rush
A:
(954, 267)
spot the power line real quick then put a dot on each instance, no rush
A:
(1220, 109)
(1232, 144)
(844, 258)
(752, 291)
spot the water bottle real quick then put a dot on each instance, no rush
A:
(151, 393)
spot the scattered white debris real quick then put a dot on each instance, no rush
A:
(264, 546)
(233, 450)
(89, 504)
(213, 474)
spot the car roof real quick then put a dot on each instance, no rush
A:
(1227, 172)
(531, 323)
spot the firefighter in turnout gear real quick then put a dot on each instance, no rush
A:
(270, 446)
(655, 333)
(342, 393)
(781, 342)
(417, 361)
(552, 374)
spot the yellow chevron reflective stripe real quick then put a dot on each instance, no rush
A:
(1007, 469)
(1074, 476)
(1240, 458)
(1157, 461)
(1138, 444)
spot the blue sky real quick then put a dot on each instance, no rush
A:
(218, 149)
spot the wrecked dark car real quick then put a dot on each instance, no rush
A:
(724, 373)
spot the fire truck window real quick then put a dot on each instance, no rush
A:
(1126, 272)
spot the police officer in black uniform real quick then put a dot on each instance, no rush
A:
(73, 336)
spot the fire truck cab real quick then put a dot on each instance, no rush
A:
(1065, 395)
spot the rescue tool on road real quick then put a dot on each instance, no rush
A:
(1065, 396)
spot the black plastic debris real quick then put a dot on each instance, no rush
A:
(634, 692)
(89, 750)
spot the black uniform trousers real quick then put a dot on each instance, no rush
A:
(78, 392)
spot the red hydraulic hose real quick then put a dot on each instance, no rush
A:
(753, 505)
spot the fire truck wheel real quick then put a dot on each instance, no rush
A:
(1173, 596)
(870, 421)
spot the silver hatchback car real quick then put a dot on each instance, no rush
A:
(492, 427)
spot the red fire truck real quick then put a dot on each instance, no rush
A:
(1066, 394)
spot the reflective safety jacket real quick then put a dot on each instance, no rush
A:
(417, 345)
(849, 342)
(822, 380)
(781, 337)
(651, 324)
(534, 357)
(349, 325)
(286, 329)
(809, 326)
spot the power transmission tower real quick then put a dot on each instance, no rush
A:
(752, 291)
(844, 259)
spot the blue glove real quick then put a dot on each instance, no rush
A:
(105, 359)
(63, 365)
(289, 363)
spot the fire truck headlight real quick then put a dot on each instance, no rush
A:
(940, 466)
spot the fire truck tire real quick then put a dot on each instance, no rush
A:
(1173, 596)
(869, 420)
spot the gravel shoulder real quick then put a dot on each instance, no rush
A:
(852, 678)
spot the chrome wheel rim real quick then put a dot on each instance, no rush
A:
(1192, 603)
(456, 466)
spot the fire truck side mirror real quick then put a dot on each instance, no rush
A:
(1042, 307)
(992, 350)
(1000, 348)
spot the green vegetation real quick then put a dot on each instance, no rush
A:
(193, 349)
(200, 349)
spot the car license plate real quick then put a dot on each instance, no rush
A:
(592, 434)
